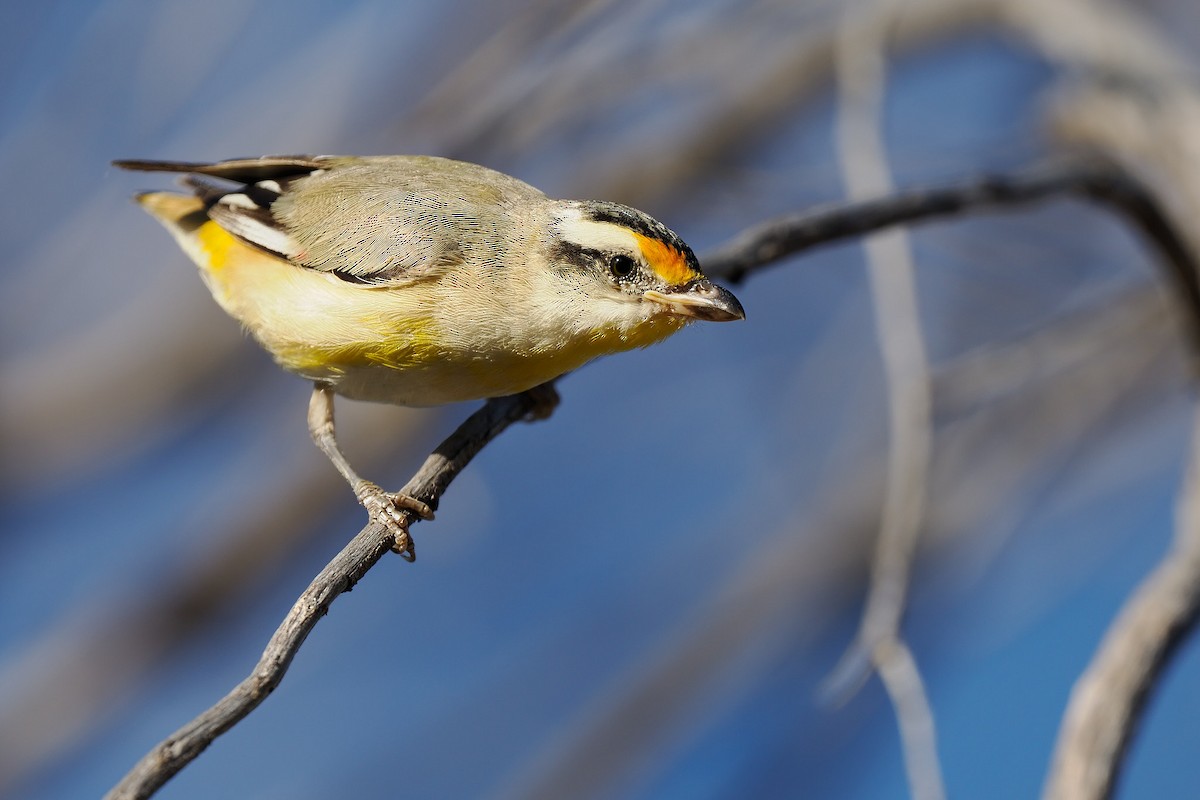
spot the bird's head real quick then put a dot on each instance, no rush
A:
(638, 276)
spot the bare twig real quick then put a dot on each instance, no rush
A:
(1087, 178)
(861, 60)
(902, 679)
(364, 550)
(1107, 700)
(1138, 103)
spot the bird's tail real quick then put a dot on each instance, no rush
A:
(179, 213)
(240, 170)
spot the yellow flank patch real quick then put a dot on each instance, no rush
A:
(667, 262)
(216, 244)
(399, 344)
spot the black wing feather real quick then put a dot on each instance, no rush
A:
(241, 170)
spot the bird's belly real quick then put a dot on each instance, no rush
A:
(416, 361)
(438, 383)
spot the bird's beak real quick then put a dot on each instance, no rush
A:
(701, 299)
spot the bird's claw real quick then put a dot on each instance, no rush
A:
(545, 400)
(389, 509)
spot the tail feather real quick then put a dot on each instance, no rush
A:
(180, 213)
(241, 170)
(207, 190)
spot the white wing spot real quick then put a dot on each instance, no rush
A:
(238, 200)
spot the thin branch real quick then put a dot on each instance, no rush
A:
(1140, 106)
(861, 69)
(1108, 699)
(902, 679)
(339, 575)
(1092, 179)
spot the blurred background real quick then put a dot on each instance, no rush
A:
(640, 597)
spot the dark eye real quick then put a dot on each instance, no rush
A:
(621, 266)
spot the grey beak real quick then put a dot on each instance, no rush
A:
(700, 300)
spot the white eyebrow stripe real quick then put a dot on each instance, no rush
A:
(597, 235)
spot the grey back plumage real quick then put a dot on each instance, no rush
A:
(382, 220)
(412, 217)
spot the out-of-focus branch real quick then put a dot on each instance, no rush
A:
(363, 552)
(861, 68)
(902, 679)
(1140, 106)
(1092, 179)
(1107, 700)
(1079, 377)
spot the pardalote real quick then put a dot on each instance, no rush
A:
(419, 281)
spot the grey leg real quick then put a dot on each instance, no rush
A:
(385, 507)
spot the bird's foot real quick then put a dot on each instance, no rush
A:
(389, 509)
(545, 400)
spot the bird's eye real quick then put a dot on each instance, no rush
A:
(621, 266)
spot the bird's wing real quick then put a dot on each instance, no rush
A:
(370, 221)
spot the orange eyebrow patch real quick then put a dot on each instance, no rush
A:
(667, 262)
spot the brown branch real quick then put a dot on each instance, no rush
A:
(364, 550)
(1108, 699)
(1092, 179)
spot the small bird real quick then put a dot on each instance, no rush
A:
(418, 281)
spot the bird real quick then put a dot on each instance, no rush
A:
(418, 280)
